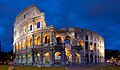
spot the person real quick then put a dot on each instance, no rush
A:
(11, 67)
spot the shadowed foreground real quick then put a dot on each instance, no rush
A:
(90, 67)
(5, 67)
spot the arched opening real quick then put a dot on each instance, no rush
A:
(38, 25)
(86, 37)
(57, 58)
(68, 40)
(23, 59)
(19, 58)
(47, 57)
(23, 44)
(37, 40)
(87, 58)
(91, 47)
(86, 45)
(77, 58)
(19, 45)
(30, 27)
(98, 59)
(68, 56)
(95, 47)
(29, 59)
(81, 43)
(46, 39)
(91, 58)
(37, 58)
(30, 42)
(59, 41)
(16, 46)
(95, 59)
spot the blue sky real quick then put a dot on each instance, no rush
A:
(101, 16)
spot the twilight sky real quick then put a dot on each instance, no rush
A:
(101, 16)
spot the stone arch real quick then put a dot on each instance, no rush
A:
(23, 44)
(46, 38)
(86, 45)
(37, 40)
(77, 58)
(81, 43)
(29, 59)
(87, 58)
(95, 59)
(29, 42)
(59, 40)
(16, 47)
(47, 57)
(58, 57)
(68, 40)
(91, 46)
(91, 58)
(86, 37)
(37, 58)
(68, 56)
(38, 24)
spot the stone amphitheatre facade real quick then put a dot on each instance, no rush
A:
(38, 44)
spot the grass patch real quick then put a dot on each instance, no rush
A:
(5, 67)
(108, 68)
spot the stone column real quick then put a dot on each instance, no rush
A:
(93, 52)
(41, 57)
(63, 57)
(53, 56)
(97, 52)
(33, 60)
(21, 44)
(82, 56)
(89, 47)
(41, 38)
(26, 43)
(73, 56)
(18, 59)
(26, 58)
(51, 37)
(84, 52)
(18, 46)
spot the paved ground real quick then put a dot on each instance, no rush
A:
(86, 67)
(80, 68)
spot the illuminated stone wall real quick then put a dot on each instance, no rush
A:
(38, 44)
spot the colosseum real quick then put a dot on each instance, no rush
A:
(38, 44)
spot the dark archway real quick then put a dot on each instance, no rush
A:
(87, 58)
(59, 40)
(86, 45)
(91, 58)
(68, 40)
(58, 57)
(95, 59)
(38, 25)
(86, 37)
(91, 47)
(47, 39)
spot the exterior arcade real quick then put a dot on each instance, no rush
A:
(38, 44)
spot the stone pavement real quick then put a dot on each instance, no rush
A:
(80, 68)
(86, 67)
